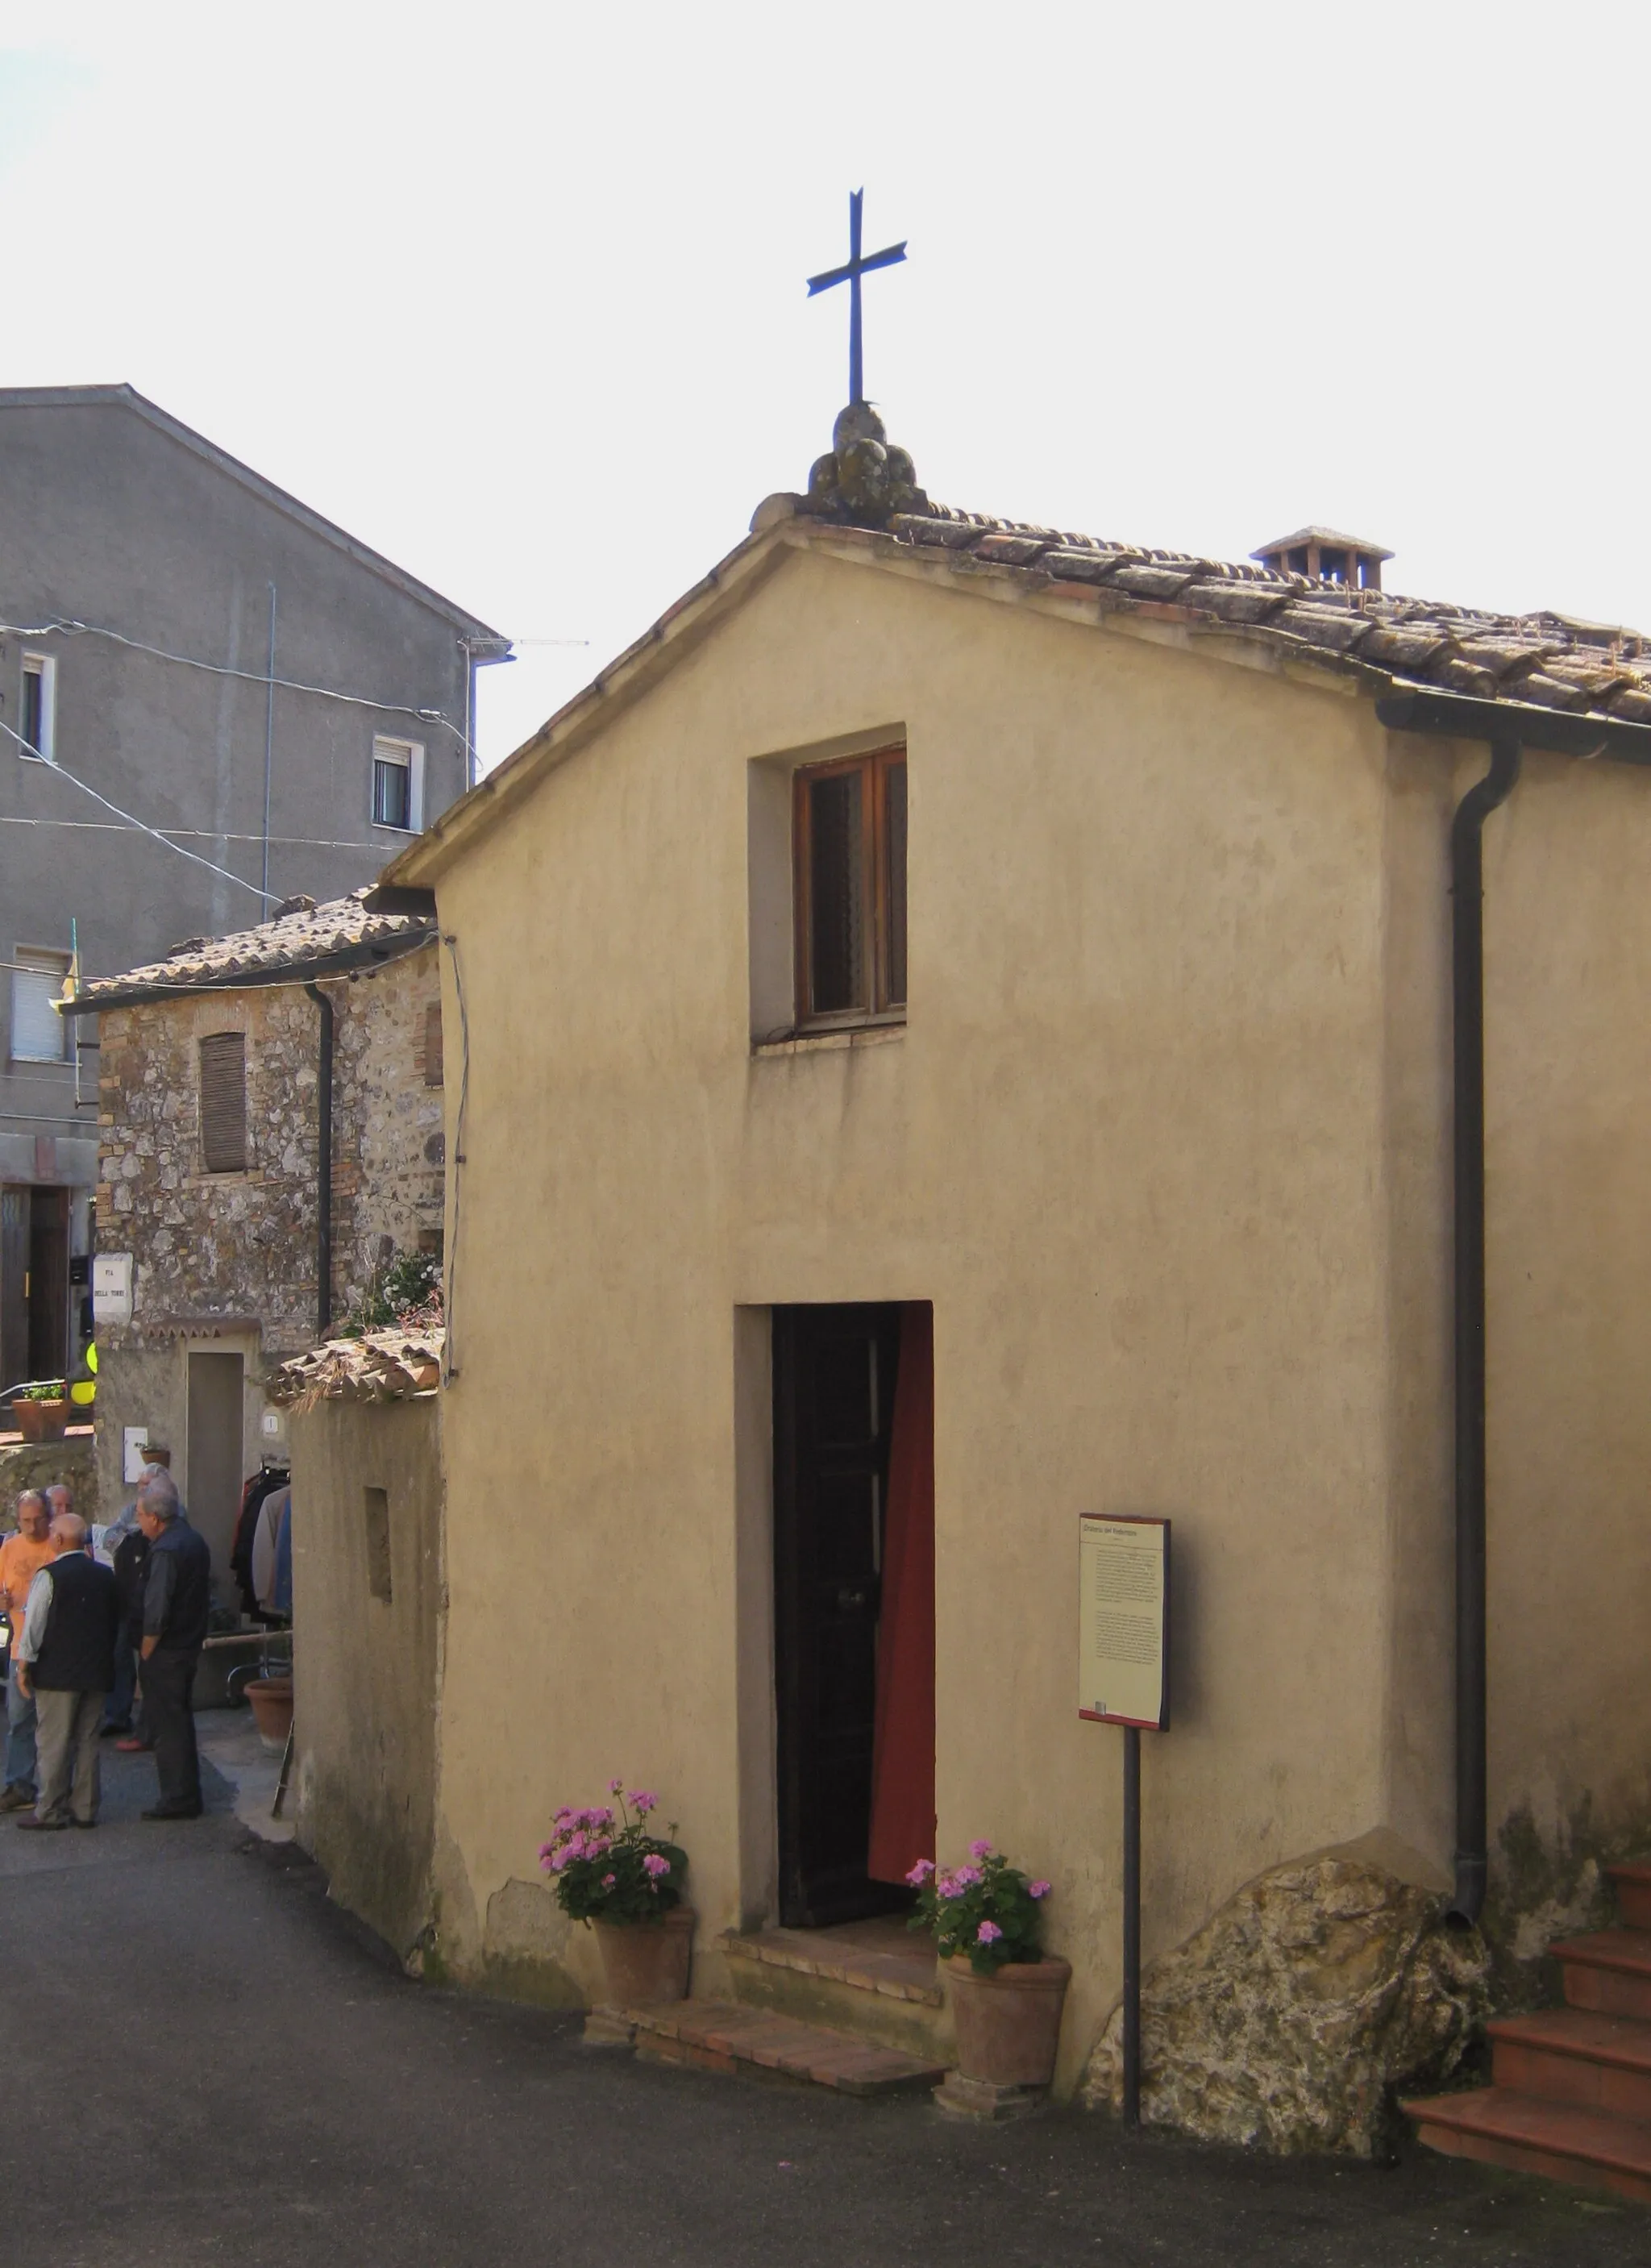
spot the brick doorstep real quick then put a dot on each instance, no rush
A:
(899, 1976)
(727, 2036)
(1535, 2135)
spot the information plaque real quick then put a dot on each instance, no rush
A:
(1124, 1621)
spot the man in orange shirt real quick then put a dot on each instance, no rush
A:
(22, 1557)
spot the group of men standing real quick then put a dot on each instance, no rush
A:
(70, 1624)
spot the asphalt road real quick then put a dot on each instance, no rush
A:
(209, 2064)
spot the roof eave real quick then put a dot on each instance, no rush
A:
(624, 680)
(375, 953)
(126, 396)
(1411, 708)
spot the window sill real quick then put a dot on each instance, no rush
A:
(814, 1043)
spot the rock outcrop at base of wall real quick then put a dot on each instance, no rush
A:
(1288, 2021)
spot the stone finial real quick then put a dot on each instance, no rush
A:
(861, 480)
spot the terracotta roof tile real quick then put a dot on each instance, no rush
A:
(306, 937)
(1553, 659)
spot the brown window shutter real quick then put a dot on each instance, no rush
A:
(224, 1102)
(432, 1044)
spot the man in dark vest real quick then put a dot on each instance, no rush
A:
(177, 1599)
(66, 1660)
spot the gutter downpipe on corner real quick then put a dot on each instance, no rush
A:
(323, 1165)
(1467, 1000)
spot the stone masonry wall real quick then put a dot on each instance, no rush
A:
(243, 1245)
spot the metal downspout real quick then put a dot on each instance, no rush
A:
(323, 1165)
(1467, 987)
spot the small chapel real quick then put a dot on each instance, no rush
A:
(966, 1025)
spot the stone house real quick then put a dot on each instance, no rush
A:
(240, 1237)
(1105, 1012)
(215, 658)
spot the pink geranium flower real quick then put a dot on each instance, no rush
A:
(966, 1877)
(643, 1801)
(1037, 1889)
(656, 1865)
(609, 1880)
(989, 1932)
(920, 1872)
(980, 1849)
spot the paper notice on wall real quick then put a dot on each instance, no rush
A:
(1123, 1620)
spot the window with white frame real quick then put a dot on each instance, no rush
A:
(37, 721)
(398, 785)
(38, 1034)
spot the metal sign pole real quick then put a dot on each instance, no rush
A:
(1132, 1925)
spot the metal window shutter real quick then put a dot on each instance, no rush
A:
(37, 1029)
(224, 1102)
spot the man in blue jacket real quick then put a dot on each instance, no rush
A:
(177, 1599)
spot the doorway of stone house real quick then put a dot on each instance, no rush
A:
(212, 1477)
(854, 1606)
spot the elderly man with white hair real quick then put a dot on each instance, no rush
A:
(177, 1601)
(66, 1665)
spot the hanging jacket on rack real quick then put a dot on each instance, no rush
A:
(262, 1484)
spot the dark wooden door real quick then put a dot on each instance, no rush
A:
(834, 1392)
(14, 1299)
(48, 1282)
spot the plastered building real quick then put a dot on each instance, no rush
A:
(212, 656)
(1054, 938)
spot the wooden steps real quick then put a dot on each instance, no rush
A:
(1571, 2087)
(725, 2036)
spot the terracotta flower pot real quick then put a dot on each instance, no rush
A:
(271, 1699)
(1008, 2025)
(41, 1421)
(645, 1961)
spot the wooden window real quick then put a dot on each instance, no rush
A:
(224, 1102)
(432, 1044)
(849, 887)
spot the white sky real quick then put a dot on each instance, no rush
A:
(515, 291)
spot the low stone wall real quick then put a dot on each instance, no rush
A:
(1290, 2021)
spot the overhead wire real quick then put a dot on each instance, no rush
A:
(67, 628)
(194, 858)
(194, 834)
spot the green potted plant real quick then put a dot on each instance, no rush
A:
(42, 1410)
(614, 1872)
(1006, 1996)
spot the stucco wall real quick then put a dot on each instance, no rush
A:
(1568, 1266)
(1165, 1142)
(1129, 1145)
(364, 1665)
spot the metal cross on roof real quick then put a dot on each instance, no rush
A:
(851, 273)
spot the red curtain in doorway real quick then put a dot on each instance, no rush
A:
(903, 1752)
